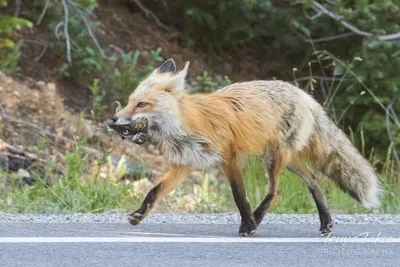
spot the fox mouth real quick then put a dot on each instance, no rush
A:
(135, 131)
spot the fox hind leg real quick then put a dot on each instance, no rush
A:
(297, 166)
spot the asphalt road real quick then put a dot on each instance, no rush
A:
(195, 244)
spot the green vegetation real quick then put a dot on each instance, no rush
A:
(206, 84)
(9, 47)
(78, 190)
(119, 74)
(81, 189)
(127, 74)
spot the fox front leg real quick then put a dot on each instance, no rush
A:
(170, 180)
(248, 224)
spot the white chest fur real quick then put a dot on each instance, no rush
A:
(191, 150)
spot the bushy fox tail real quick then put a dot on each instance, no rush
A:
(332, 153)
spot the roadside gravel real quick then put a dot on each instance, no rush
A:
(196, 218)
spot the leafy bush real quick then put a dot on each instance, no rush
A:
(98, 96)
(126, 75)
(9, 47)
(216, 26)
(205, 83)
(85, 59)
(115, 79)
(227, 22)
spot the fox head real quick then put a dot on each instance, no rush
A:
(157, 99)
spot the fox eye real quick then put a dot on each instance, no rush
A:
(141, 104)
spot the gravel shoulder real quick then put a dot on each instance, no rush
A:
(195, 218)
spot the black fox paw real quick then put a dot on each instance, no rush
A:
(326, 228)
(135, 218)
(247, 229)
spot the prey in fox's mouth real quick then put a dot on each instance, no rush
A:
(135, 131)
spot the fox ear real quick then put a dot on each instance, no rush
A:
(167, 66)
(184, 71)
(178, 82)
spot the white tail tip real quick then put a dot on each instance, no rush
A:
(373, 197)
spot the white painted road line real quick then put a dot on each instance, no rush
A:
(141, 239)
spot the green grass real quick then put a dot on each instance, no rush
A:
(75, 191)
(68, 195)
(79, 190)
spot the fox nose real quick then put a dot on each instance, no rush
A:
(114, 119)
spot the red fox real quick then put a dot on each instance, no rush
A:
(273, 119)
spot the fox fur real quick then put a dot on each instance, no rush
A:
(273, 119)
